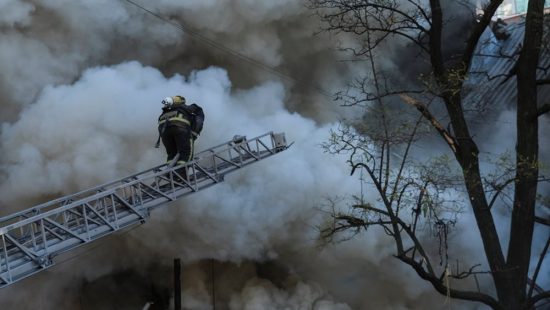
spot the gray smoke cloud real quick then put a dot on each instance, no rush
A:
(81, 88)
(253, 216)
(52, 42)
(80, 112)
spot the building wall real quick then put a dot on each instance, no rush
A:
(513, 7)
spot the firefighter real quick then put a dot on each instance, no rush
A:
(179, 125)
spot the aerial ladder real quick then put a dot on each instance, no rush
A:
(30, 239)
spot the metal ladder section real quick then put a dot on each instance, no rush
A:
(30, 239)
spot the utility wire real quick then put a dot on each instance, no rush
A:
(205, 40)
(196, 35)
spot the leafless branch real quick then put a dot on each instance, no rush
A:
(403, 161)
(542, 221)
(532, 301)
(479, 28)
(537, 269)
(543, 109)
(438, 284)
(498, 188)
(470, 272)
(451, 141)
(506, 76)
(384, 18)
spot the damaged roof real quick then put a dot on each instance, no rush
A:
(490, 84)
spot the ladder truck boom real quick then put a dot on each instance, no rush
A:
(30, 239)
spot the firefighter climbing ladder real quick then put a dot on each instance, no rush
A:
(30, 239)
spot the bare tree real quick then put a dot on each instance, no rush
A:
(411, 195)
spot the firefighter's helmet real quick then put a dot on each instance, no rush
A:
(178, 99)
(168, 101)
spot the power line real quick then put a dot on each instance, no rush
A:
(195, 34)
(205, 40)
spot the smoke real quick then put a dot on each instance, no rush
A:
(38, 51)
(81, 88)
(103, 126)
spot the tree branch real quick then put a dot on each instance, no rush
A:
(531, 302)
(436, 55)
(404, 160)
(543, 82)
(478, 30)
(451, 141)
(465, 274)
(537, 269)
(545, 108)
(444, 290)
(406, 228)
(542, 221)
(499, 188)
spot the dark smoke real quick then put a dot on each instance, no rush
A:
(81, 89)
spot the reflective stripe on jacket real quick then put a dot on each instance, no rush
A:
(174, 117)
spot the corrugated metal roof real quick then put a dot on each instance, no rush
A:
(488, 85)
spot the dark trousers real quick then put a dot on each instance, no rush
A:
(178, 140)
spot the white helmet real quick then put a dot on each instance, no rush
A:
(168, 101)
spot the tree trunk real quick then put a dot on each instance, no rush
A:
(467, 156)
(523, 213)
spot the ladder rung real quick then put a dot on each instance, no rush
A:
(30, 239)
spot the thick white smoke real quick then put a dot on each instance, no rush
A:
(81, 88)
(103, 127)
(72, 127)
(52, 42)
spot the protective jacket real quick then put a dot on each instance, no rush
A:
(179, 125)
(178, 115)
(174, 127)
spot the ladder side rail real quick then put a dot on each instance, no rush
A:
(4, 261)
(216, 175)
(64, 228)
(56, 211)
(127, 183)
(235, 162)
(69, 236)
(53, 228)
(59, 211)
(74, 239)
(71, 217)
(67, 199)
(200, 183)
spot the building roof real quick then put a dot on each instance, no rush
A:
(489, 83)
